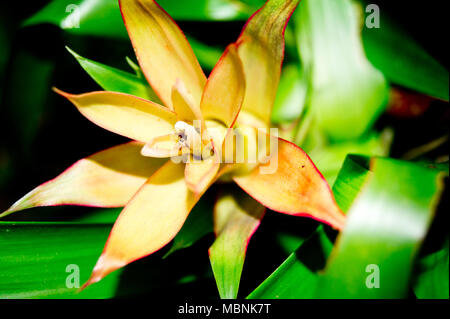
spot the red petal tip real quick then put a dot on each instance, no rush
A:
(62, 93)
(105, 265)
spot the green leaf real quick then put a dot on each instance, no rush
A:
(96, 216)
(291, 95)
(210, 10)
(288, 242)
(433, 280)
(236, 218)
(403, 61)
(351, 179)
(103, 18)
(329, 158)
(38, 259)
(135, 67)
(342, 80)
(390, 206)
(35, 257)
(386, 225)
(112, 79)
(84, 17)
(296, 277)
(198, 224)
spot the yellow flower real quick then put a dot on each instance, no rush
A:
(158, 193)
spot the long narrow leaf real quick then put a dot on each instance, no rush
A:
(102, 17)
(115, 80)
(387, 223)
(403, 61)
(342, 80)
(236, 218)
(52, 260)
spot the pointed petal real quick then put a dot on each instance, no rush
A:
(106, 179)
(225, 89)
(245, 147)
(261, 49)
(124, 114)
(149, 221)
(183, 103)
(199, 174)
(290, 183)
(163, 52)
(236, 218)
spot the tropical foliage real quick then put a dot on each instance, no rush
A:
(355, 209)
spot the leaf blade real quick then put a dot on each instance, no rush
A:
(115, 80)
(301, 281)
(236, 218)
(342, 80)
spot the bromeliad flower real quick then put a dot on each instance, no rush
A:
(158, 193)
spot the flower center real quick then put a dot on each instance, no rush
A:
(190, 138)
(188, 135)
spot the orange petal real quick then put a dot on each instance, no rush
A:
(294, 187)
(162, 50)
(236, 218)
(124, 114)
(261, 49)
(225, 89)
(149, 221)
(106, 179)
(245, 147)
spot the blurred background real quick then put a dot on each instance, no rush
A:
(345, 88)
